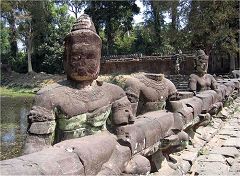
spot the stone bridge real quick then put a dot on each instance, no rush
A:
(104, 154)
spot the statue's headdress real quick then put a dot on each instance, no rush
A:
(201, 56)
(81, 23)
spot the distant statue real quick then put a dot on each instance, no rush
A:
(80, 105)
(200, 80)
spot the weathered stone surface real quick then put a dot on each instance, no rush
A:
(150, 91)
(42, 127)
(72, 123)
(99, 117)
(232, 142)
(35, 143)
(226, 151)
(156, 161)
(230, 132)
(198, 142)
(40, 114)
(138, 165)
(210, 168)
(235, 168)
(201, 80)
(211, 158)
(205, 133)
(230, 161)
(51, 161)
(118, 162)
(189, 156)
(94, 150)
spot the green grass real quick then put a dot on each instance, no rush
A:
(15, 92)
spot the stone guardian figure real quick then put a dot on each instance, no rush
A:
(80, 105)
(200, 80)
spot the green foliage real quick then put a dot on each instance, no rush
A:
(125, 42)
(210, 25)
(43, 25)
(49, 55)
(112, 16)
(16, 92)
(5, 45)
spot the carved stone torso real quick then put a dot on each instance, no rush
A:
(201, 83)
(151, 94)
(78, 112)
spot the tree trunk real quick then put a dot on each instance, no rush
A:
(174, 24)
(232, 62)
(29, 51)
(13, 35)
(157, 17)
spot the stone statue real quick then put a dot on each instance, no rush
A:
(149, 95)
(149, 92)
(200, 80)
(80, 105)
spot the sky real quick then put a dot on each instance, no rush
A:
(139, 18)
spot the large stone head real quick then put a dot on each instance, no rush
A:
(82, 51)
(201, 62)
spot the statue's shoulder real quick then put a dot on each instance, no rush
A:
(169, 84)
(112, 90)
(209, 76)
(133, 79)
(193, 76)
(55, 87)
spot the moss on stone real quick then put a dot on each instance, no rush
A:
(75, 122)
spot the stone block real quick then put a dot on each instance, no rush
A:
(52, 161)
(232, 142)
(210, 168)
(42, 127)
(226, 151)
(189, 156)
(211, 158)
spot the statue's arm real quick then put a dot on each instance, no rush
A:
(132, 89)
(122, 112)
(192, 84)
(172, 91)
(41, 126)
(214, 84)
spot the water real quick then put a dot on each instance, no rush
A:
(14, 112)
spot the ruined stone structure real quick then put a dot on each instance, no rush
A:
(114, 131)
(152, 64)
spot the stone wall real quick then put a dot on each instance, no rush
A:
(153, 64)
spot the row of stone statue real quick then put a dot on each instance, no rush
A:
(124, 129)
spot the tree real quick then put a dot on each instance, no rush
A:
(112, 16)
(75, 6)
(49, 54)
(5, 45)
(209, 22)
(33, 24)
(9, 10)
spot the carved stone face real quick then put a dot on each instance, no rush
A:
(82, 51)
(201, 62)
(202, 66)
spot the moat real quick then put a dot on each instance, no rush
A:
(13, 124)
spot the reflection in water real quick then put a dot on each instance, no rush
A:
(23, 119)
(14, 112)
(9, 136)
